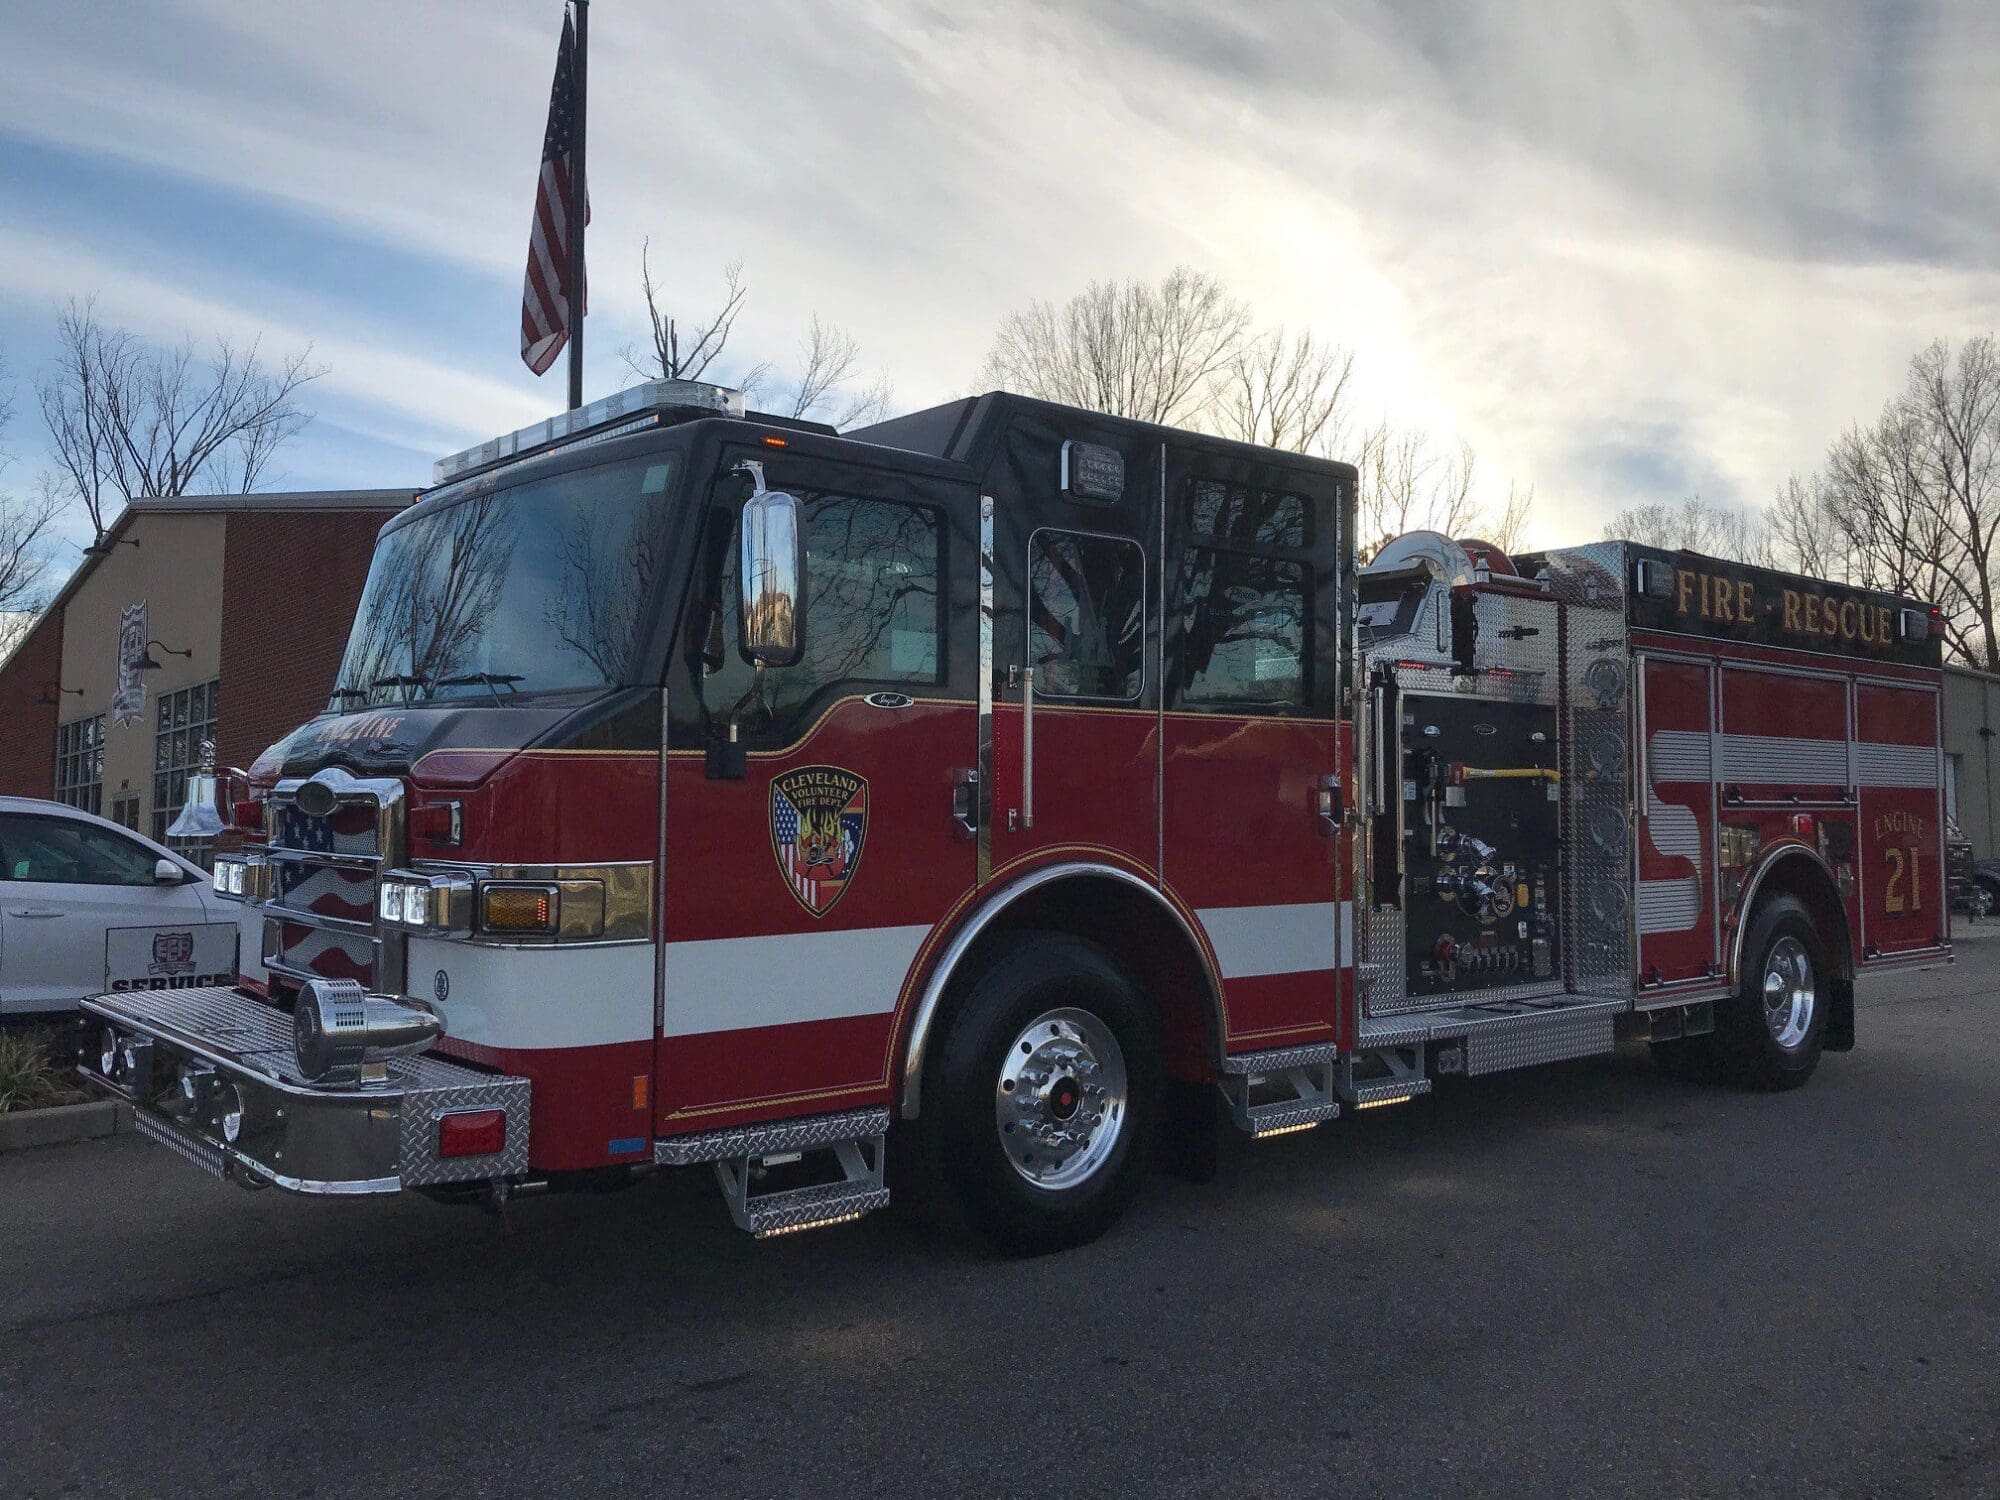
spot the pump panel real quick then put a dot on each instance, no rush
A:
(1481, 836)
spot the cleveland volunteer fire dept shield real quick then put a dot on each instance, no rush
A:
(818, 817)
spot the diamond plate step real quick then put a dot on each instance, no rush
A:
(1385, 1091)
(770, 1138)
(1284, 1119)
(1276, 1059)
(815, 1207)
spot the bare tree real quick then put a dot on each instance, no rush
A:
(829, 355)
(686, 353)
(1407, 484)
(1509, 529)
(1695, 525)
(1132, 349)
(1911, 502)
(1287, 393)
(128, 419)
(24, 527)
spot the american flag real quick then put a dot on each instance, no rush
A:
(545, 290)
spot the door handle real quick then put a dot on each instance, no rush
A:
(965, 801)
(1329, 806)
(33, 911)
(1027, 747)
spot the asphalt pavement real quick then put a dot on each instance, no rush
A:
(1581, 1279)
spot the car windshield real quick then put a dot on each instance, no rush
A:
(537, 587)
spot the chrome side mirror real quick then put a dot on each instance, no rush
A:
(770, 571)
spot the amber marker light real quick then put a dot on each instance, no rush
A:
(525, 910)
(777, 442)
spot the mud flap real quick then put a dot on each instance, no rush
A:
(1840, 1017)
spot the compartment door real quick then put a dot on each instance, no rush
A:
(1676, 845)
(1902, 852)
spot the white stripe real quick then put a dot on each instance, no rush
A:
(1896, 765)
(1775, 759)
(1292, 939)
(730, 984)
(537, 998)
(1669, 905)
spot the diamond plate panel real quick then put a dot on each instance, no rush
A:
(1279, 1058)
(1526, 1041)
(806, 1133)
(183, 1145)
(421, 1166)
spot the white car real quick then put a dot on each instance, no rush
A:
(88, 906)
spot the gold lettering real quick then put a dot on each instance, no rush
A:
(1684, 583)
(1791, 611)
(1867, 628)
(1881, 624)
(1812, 614)
(1829, 619)
(1849, 627)
(1723, 598)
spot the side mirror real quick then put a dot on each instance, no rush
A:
(770, 571)
(166, 872)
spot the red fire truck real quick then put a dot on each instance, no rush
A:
(998, 799)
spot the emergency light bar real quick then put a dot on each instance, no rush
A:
(630, 406)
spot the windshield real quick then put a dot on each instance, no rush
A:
(535, 588)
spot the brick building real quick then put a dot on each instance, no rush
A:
(200, 617)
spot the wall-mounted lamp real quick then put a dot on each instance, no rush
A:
(50, 690)
(103, 545)
(146, 662)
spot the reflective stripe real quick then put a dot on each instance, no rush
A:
(732, 984)
(534, 998)
(1292, 939)
(1669, 905)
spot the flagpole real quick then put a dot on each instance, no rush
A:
(579, 205)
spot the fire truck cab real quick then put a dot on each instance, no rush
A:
(701, 788)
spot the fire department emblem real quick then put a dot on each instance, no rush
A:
(818, 817)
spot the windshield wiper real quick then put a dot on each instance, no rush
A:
(401, 680)
(491, 681)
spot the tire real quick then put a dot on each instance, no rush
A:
(1770, 1033)
(1051, 1033)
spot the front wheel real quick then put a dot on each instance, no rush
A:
(1042, 1104)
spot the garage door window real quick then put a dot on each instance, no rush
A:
(59, 852)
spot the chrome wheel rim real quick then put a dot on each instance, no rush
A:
(1789, 993)
(1060, 1101)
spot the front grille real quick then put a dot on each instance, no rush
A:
(320, 920)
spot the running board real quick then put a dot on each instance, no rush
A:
(1281, 1090)
(1501, 1035)
(743, 1156)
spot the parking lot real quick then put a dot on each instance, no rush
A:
(1583, 1279)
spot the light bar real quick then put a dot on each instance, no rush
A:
(649, 399)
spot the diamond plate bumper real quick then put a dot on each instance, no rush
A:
(211, 1074)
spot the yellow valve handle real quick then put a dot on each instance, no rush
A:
(1506, 773)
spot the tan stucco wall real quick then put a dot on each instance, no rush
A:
(177, 571)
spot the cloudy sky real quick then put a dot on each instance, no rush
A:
(1629, 251)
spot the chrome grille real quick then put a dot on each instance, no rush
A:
(326, 867)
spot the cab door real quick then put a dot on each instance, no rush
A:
(814, 834)
(1254, 598)
(1076, 688)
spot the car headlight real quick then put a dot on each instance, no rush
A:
(436, 904)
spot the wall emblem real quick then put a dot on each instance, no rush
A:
(819, 815)
(129, 701)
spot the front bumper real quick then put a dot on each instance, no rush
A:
(211, 1073)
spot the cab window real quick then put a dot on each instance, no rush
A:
(872, 616)
(1086, 615)
(59, 852)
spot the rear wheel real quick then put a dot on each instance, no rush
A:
(1043, 1101)
(1770, 1033)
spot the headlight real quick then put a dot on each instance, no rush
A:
(438, 904)
(228, 877)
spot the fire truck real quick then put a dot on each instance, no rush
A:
(1002, 800)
